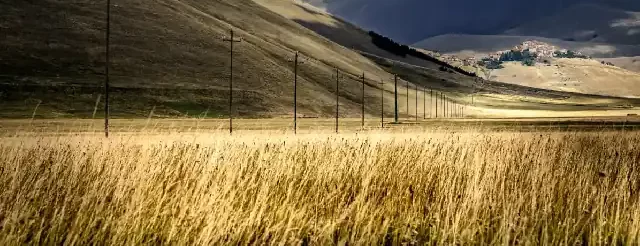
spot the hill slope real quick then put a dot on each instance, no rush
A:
(168, 54)
(574, 75)
(629, 63)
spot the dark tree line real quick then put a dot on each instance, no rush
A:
(402, 50)
(569, 54)
(525, 57)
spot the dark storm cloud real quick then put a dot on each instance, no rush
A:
(413, 20)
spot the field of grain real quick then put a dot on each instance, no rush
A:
(373, 187)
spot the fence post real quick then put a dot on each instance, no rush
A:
(424, 103)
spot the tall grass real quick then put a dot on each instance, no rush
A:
(376, 188)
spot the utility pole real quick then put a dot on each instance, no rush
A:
(382, 104)
(417, 103)
(424, 103)
(231, 39)
(395, 76)
(295, 92)
(337, 98)
(436, 104)
(408, 114)
(446, 106)
(430, 103)
(473, 90)
(442, 105)
(448, 101)
(106, 70)
(363, 81)
(457, 109)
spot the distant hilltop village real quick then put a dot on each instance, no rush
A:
(540, 50)
(529, 53)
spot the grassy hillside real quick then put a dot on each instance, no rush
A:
(629, 63)
(575, 75)
(335, 29)
(167, 54)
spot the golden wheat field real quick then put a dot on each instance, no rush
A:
(360, 188)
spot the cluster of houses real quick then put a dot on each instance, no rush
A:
(470, 61)
(541, 49)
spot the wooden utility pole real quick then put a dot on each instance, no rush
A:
(424, 103)
(448, 101)
(382, 104)
(473, 90)
(445, 104)
(363, 81)
(416, 89)
(436, 104)
(106, 70)
(231, 39)
(295, 92)
(408, 113)
(395, 94)
(431, 103)
(337, 99)
(441, 97)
